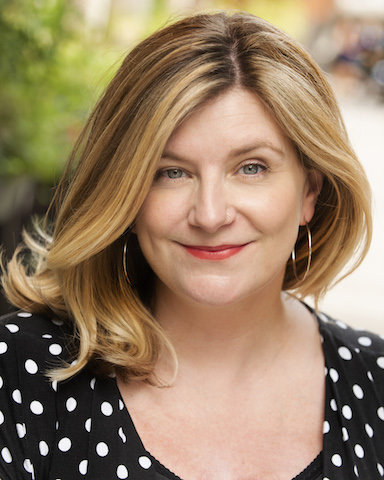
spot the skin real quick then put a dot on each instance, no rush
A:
(214, 201)
(217, 228)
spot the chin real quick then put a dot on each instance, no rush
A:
(216, 295)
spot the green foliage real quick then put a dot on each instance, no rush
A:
(44, 96)
(47, 58)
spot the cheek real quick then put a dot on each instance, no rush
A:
(158, 216)
(275, 209)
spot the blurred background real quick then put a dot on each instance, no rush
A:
(56, 56)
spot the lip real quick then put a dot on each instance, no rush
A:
(219, 252)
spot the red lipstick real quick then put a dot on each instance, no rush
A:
(221, 252)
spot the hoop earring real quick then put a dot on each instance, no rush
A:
(293, 255)
(125, 248)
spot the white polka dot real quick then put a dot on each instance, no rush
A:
(345, 434)
(44, 449)
(92, 383)
(102, 449)
(370, 376)
(345, 353)
(365, 341)
(347, 412)
(1, 382)
(31, 367)
(337, 460)
(16, 395)
(333, 405)
(54, 385)
(83, 467)
(6, 454)
(64, 444)
(334, 374)
(380, 469)
(106, 409)
(1, 417)
(356, 471)
(71, 404)
(3, 347)
(359, 450)
(28, 467)
(380, 362)
(341, 325)
(380, 413)
(21, 430)
(358, 391)
(326, 427)
(122, 435)
(88, 424)
(36, 407)
(24, 315)
(121, 405)
(12, 327)
(145, 462)
(122, 472)
(55, 349)
(323, 317)
(369, 430)
(46, 335)
(57, 322)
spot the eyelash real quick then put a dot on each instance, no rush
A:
(162, 173)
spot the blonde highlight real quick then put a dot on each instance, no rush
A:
(78, 273)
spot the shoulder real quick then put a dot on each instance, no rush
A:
(353, 353)
(354, 406)
(40, 335)
(31, 345)
(32, 323)
(346, 338)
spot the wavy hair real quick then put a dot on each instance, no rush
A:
(78, 274)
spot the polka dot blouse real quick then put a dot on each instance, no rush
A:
(81, 429)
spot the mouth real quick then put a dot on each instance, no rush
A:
(219, 252)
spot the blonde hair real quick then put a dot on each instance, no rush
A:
(78, 273)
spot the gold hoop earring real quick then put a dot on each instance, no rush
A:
(293, 255)
(125, 248)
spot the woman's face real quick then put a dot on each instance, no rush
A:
(222, 216)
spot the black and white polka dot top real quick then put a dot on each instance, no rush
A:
(81, 429)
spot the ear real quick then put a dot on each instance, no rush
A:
(313, 187)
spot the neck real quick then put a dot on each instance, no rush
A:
(235, 338)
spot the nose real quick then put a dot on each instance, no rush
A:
(210, 209)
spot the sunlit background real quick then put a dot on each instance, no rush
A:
(56, 56)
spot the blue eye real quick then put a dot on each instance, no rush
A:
(252, 168)
(174, 173)
(171, 173)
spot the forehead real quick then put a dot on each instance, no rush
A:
(235, 118)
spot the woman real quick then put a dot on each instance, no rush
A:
(168, 286)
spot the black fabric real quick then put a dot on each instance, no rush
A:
(312, 472)
(81, 429)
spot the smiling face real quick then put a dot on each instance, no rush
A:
(222, 216)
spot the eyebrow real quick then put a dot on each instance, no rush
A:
(236, 152)
(256, 146)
